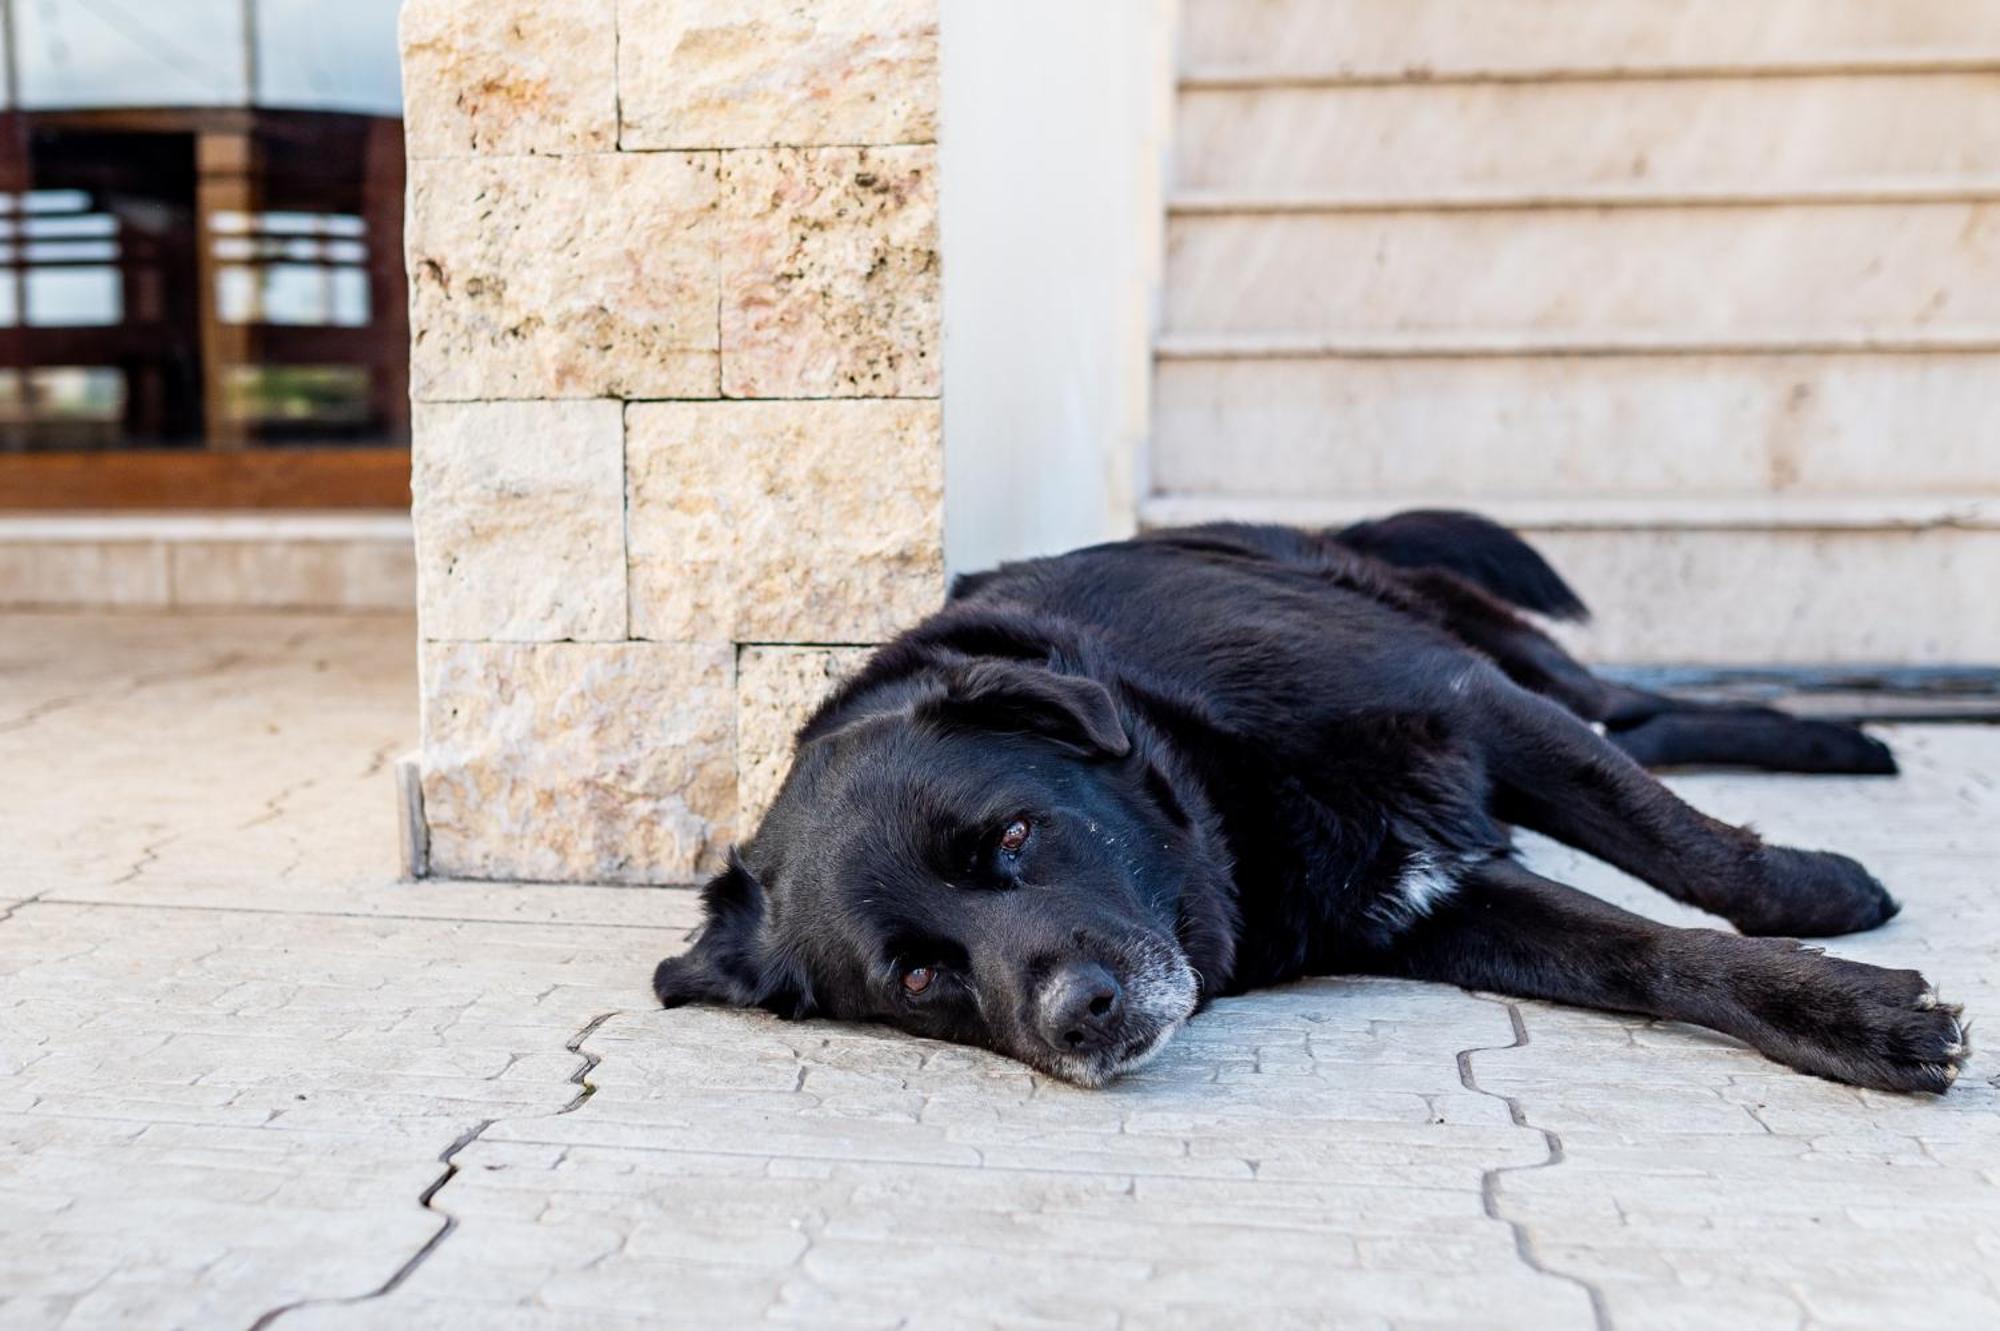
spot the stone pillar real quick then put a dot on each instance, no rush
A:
(674, 290)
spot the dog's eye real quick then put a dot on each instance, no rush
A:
(1015, 835)
(918, 979)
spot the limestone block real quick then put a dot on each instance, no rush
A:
(777, 688)
(609, 762)
(509, 76)
(752, 73)
(520, 516)
(783, 521)
(830, 273)
(574, 277)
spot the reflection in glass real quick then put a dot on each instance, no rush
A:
(201, 226)
(131, 53)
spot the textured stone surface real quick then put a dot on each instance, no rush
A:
(783, 521)
(509, 76)
(608, 761)
(233, 1052)
(777, 688)
(830, 273)
(522, 510)
(588, 276)
(751, 73)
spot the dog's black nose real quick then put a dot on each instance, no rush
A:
(1080, 1008)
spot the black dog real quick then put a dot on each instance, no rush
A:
(1097, 789)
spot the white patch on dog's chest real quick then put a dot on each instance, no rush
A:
(1424, 884)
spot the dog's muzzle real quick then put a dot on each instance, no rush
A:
(1100, 1020)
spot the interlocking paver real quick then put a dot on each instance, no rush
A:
(233, 1051)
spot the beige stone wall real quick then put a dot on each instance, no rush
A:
(678, 457)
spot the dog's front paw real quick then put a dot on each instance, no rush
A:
(1861, 1024)
(1895, 1042)
(1812, 894)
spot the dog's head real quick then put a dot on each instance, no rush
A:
(979, 856)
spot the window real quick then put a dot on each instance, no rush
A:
(201, 238)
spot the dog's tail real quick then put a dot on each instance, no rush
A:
(1477, 549)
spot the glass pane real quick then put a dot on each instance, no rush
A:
(74, 297)
(299, 394)
(202, 273)
(78, 393)
(331, 55)
(132, 53)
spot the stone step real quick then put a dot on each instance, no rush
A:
(1784, 276)
(1729, 580)
(345, 561)
(1628, 141)
(1494, 426)
(1248, 41)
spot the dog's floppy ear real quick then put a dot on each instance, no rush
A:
(1013, 695)
(730, 962)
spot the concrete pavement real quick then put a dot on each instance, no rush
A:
(247, 1078)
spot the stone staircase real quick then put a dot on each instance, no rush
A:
(1704, 295)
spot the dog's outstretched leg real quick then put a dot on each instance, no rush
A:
(1514, 932)
(1554, 774)
(1656, 730)
(1684, 734)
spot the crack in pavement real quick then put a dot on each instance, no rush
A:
(448, 1158)
(1489, 1180)
(50, 707)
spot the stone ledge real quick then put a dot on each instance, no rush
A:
(333, 561)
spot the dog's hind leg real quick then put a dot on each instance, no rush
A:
(1554, 774)
(1686, 734)
(1656, 730)
(1513, 932)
